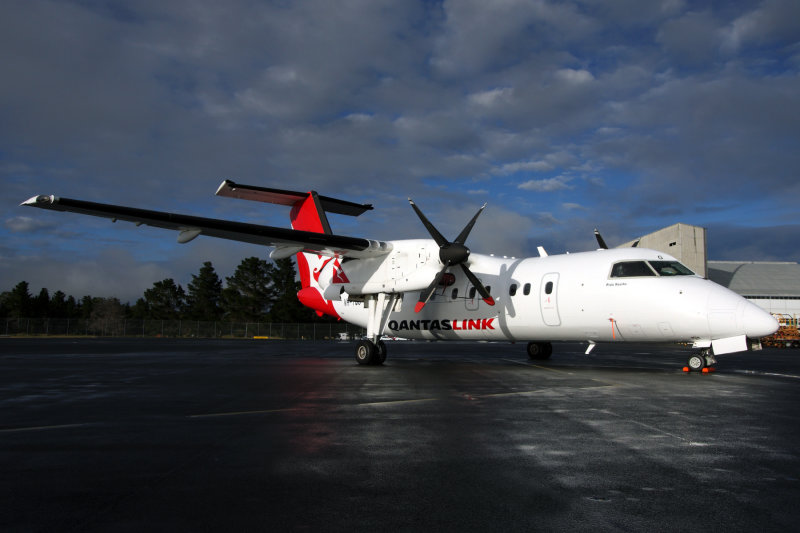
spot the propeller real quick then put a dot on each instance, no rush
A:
(603, 244)
(600, 240)
(450, 254)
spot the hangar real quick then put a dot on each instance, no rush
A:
(774, 286)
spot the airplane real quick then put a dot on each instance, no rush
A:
(437, 289)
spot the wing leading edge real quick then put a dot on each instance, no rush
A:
(287, 241)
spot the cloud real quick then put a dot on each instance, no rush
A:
(492, 97)
(546, 185)
(773, 21)
(22, 224)
(574, 77)
(646, 112)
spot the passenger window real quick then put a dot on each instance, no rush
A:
(512, 290)
(526, 290)
(670, 268)
(472, 293)
(454, 294)
(548, 289)
(631, 269)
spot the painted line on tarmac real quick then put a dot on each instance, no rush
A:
(543, 390)
(244, 413)
(288, 409)
(522, 363)
(42, 428)
(394, 402)
(768, 374)
(653, 428)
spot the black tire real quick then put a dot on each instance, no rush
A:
(548, 350)
(696, 362)
(540, 350)
(380, 353)
(365, 352)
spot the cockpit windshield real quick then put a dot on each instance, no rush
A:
(670, 268)
(631, 269)
(638, 269)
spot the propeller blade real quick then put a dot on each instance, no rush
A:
(477, 284)
(440, 240)
(465, 232)
(600, 240)
(425, 295)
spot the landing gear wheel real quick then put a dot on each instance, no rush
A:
(380, 353)
(366, 352)
(697, 362)
(540, 350)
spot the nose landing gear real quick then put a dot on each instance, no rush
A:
(700, 362)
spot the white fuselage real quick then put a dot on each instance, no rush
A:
(572, 297)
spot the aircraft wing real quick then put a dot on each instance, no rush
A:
(287, 241)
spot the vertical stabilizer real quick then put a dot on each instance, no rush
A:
(309, 213)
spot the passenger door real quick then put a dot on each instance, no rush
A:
(548, 298)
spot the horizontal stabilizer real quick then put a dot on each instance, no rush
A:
(282, 197)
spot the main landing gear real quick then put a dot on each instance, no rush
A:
(540, 350)
(371, 350)
(700, 361)
(370, 353)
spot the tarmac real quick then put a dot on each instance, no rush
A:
(253, 435)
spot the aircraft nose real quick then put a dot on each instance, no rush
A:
(757, 322)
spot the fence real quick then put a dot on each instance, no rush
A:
(178, 328)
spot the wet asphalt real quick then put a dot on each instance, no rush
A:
(247, 435)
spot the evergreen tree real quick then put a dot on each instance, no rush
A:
(72, 308)
(285, 305)
(19, 302)
(165, 300)
(248, 294)
(140, 310)
(41, 304)
(4, 304)
(87, 303)
(205, 291)
(58, 305)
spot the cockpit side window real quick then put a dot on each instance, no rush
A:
(631, 269)
(670, 268)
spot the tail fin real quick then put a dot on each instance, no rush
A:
(308, 214)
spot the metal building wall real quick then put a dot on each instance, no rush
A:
(685, 242)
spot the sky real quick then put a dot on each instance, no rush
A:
(564, 116)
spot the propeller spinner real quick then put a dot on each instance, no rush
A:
(450, 254)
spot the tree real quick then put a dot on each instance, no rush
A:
(107, 316)
(205, 292)
(58, 305)
(41, 304)
(165, 300)
(72, 307)
(248, 294)
(140, 310)
(4, 304)
(285, 306)
(87, 303)
(19, 303)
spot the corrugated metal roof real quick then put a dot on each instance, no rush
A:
(749, 278)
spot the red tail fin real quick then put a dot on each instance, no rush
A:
(308, 214)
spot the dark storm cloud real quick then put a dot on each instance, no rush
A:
(639, 113)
